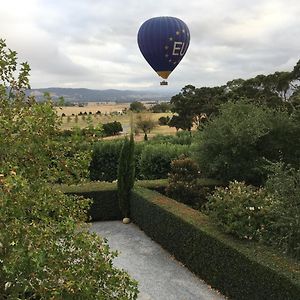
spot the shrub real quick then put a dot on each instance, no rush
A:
(155, 161)
(183, 184)
(238, 269)
(181, 138)
(163, 120)
(237, 144)
(104, 163)
(46, 251)
(161, 107)
(112, 128)
(137, 106)
(240, 210)
(283, 230)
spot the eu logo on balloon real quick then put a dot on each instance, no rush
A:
(163, 42)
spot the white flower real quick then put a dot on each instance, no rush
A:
(7, 285)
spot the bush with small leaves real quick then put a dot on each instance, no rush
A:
(104, 163)
(112, 128)
(163, 120)
(241, 210)
(46, 251)
(283, 230)
(183, 183)
(155, 161)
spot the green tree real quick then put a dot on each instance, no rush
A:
(137, 106)
(126, 175)
(237, 144)
(182, 104)
(145, 124)
(181, 123)
(161, 107)
(163, 120)
(112, 128)
(46, 251)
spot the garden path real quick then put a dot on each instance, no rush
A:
(160, 276)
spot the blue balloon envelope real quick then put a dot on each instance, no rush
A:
(163, 42)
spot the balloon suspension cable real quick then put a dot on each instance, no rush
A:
(164, 82)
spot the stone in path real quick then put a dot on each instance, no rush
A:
(160, 276)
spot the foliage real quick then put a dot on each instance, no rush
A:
(183, 182)
(277, 90)
(284, 227)
(161, 107)
(181, 138)
(180, 122)
(237, 144)
(163, 120)
(192, 104)
(104, 163)
(145, 124)
(126, 175)
(46, 251)
(268, 214)
(238, 269)
(155, 161)
(182, 105)
(112, 128)
(137, 106)
(104, 196)
(241, 210)
(158, 185)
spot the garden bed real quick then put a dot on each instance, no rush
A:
(239, 269)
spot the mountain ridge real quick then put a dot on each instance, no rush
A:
(107, 95)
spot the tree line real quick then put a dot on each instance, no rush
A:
(193, 106)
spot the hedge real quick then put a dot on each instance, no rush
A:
(240, 270)
(104, 162)
(155, 161)
(105, 204)
(160, 185)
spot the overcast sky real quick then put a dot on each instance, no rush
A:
(92, 43)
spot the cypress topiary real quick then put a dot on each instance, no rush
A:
(126, 175)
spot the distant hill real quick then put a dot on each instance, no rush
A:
(88, 95)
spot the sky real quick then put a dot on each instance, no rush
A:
(93, 43)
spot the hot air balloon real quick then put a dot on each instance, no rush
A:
(163, 42)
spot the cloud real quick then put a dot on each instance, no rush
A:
(93, 43)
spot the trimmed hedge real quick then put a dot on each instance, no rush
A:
(240, 270)
(155, 161)
(158, 185)
(104, 163)
(105, 204)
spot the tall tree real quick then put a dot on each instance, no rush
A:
(126, 175)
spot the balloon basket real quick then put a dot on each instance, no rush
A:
(164, 82)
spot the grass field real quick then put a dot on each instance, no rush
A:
(92, 107)
(109, 113)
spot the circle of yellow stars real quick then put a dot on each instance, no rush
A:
(170, 39)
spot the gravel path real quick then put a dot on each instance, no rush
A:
(160, 276)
